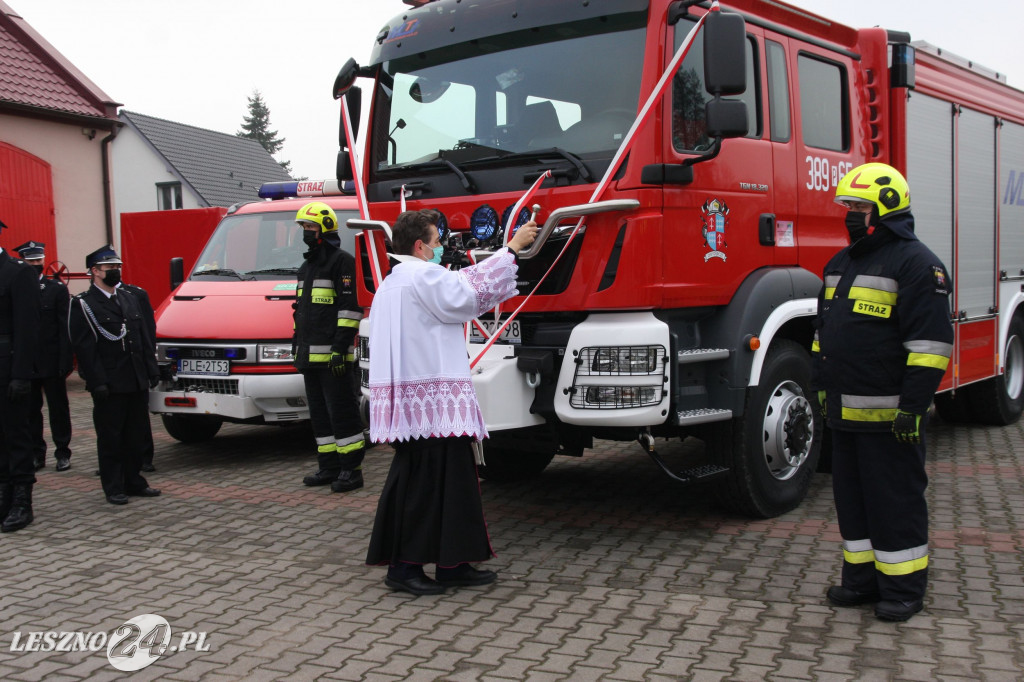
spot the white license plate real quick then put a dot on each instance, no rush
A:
(220, 368)
(511, 334)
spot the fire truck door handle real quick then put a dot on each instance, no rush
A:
(766, 229)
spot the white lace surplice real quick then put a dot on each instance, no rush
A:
(420, 383)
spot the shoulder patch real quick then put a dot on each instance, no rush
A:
(941, 282)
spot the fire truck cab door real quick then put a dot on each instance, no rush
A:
(712, 224)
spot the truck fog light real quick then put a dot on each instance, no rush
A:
(605, 397)
(621, 360)
(296, 402)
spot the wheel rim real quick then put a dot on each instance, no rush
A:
(788, 430)
(1013, 375)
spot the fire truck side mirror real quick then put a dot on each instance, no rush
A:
(343, 169)
(725, 118)
(725, 70)
(177, 272)
(345, 78)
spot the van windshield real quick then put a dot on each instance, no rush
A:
(574, 87)
(259, 246)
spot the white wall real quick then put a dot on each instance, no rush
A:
(137, 168)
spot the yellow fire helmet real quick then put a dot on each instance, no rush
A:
(878, 184)
(319, 213)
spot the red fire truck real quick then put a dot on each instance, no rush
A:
(679, 298)
(227, 329)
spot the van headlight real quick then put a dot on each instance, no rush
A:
(276, 352)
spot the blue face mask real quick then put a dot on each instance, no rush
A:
(438, 252)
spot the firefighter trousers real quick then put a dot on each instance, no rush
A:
(56, 392)
(879, 485)
(334, 415)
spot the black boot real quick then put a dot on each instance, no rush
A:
(21, 509)
(6, 497)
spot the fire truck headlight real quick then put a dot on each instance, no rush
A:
(483, 223)
(275, 352)
(621, 396)
(624, 359)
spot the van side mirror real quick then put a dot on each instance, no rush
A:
(177, 272)
(725, 70)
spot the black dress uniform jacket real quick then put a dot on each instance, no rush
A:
(326, 313)
(884, 334)
(53, 352)
(19, 318)
(124, 365)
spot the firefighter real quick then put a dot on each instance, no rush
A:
(882, 344)
(146, 307)
(326, 321)
(52, 363)
(19, 321)
(117, 358)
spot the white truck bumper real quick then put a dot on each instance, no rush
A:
(275, 397)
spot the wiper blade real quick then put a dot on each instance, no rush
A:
(274, 271)
(227, 272)
(466, 184)
(567, 155)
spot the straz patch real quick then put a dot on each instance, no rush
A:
(941, 282)
(873, 309)
(326, 300)
(715, 218)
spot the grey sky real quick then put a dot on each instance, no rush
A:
(196, 61)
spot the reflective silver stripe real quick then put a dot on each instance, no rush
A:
(348, 441)
(875, 282)
(929, 347)
(902, 555)
(319, 349)
(832, 281)
(857, 545)
(325, 440)
(870, 401)
(323, 284)
(350, 314)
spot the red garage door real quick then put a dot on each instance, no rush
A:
(26, 200)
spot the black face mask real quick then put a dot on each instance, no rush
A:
(855, 226)
(38, 268)
(310, 238)
(112, 278)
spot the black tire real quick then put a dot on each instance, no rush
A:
(508, 464)
(1000, 400)
(189, 428)
(954, 409)
(772, 451)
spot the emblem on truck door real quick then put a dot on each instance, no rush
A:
(714, 214)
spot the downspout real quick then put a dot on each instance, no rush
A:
(108, 200)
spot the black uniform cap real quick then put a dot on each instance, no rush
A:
(31, 249)
(102, 256)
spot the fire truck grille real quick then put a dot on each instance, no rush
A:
(197, 385)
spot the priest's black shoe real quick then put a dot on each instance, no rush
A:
(415, 584)
(119, 498)
(63, 463)
(897, 611)
(464, 575)
(844, 596)
(321, 477)
(145, 492)
(347, 480)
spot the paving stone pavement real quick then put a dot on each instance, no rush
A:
(608, 571)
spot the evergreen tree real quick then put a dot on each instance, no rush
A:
(256, 126)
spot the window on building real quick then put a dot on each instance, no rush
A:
(823, 104)
(168, 196)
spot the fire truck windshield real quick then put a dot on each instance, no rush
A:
(259, 246)
(514, 93)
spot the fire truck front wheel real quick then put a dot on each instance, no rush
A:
(772, 450)
(191, 428)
